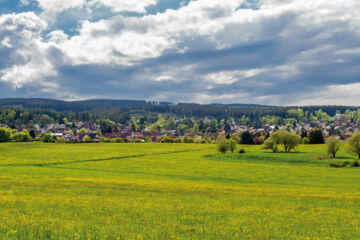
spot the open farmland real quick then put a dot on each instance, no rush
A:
(174, 191)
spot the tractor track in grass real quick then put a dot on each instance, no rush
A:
(93, 160)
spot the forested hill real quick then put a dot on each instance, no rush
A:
(181, 109)
(75, 106)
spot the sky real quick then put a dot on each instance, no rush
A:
(274, 52)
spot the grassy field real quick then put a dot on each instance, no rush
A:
(174, 191)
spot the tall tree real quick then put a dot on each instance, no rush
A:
(316, 136)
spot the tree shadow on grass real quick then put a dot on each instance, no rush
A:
(92, 160)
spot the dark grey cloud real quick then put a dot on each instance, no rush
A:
(269, 52)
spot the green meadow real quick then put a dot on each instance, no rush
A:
(174, 191)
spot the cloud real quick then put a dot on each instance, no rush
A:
(25, 55)
(269, 51)
(138, 6)
(53, 8)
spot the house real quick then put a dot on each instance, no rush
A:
(136, 135)
(114, 135)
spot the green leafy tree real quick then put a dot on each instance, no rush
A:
(333, 146)
(270, 145)
(23, 136)
(32, 133)
(182, 129)
(316, 136)
(236, 138)
(196, 129)
(83, 130)
(223, 146)
(354, 143)
(288, 140)
(232, 145)
(246, 138)
(213, 126)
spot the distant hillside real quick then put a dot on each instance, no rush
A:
(60, 105)
(216, 110)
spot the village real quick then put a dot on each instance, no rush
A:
(340, 126)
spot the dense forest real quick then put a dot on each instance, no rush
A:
(120, 110)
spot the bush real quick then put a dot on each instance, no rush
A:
(223, 146)
(242, 151)
(119, 140)
(5, 135)
(23, 136)
(83, 130)
(60, 140)
(86, 139)
(338, 164)
(188, 140)
(166, 139)
(47, 138)
(355, 163)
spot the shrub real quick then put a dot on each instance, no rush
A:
(119, 140)
(47, 138)
(223, 146)
(5, 135)
(60, 140)
(83, 130)
(355, 163)
(166, 139)
(23, 136)
(242, 151)
(86, 139)
(338, 164)
(188, 140)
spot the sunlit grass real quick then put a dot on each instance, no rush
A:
(174, 191)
